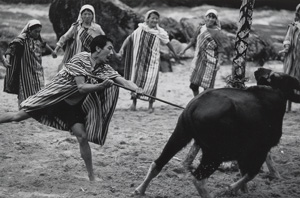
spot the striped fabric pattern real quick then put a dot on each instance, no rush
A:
(80, 42)
(86, 40)
(291, 63)
(205, 61)
(30, 72)
(141, 58)
(98, 107)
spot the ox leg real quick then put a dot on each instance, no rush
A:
(152, 172)
(288, 106)
(209, 164)
(201, 187)
(270, 165)
(244, 188)
(176, 142)
(187, 163)
(240, 184)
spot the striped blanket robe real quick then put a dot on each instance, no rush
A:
(291, 64)
(141, 61)
(78, 39)
(205, 60)
(98, 106)
(26, 75)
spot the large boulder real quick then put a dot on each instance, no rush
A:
(116, 19)
(260, 49)
(173, 28)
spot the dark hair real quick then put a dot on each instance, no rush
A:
(154, 12)
(35, 26)
(99, 41)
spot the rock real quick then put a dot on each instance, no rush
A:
(189, 26)
(173, 28)
(116, 19)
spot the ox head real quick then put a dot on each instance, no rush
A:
(289, 85)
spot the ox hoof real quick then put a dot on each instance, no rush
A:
(228, 191)
(137, 193)
(272, 176)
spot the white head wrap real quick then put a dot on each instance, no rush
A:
(150, 12)
(30, 24)
(89, 7)
(298, 8)
(211, 11)
(159, 32)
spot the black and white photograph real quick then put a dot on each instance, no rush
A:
(149, 98)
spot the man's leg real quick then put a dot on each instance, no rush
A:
(14, 117)
(133, 106)
(85, 149)
(150, 108)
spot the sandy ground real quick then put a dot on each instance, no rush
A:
(37, 161)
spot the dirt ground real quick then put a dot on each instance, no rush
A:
(41, 162)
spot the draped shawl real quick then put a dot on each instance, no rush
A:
(142, 57)
(291, 64)
(97, 106)
(25, 77)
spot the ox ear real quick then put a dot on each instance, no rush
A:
(262, 75)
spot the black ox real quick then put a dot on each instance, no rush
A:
(231, 124)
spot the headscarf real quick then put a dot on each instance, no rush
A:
(159, 32)
(84, 7)
(297, 13)
(30, 24)
(219, 37)
(212, 11)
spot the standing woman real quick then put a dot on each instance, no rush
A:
(78, 38)
(291, 44)
(25, 74)
(210, 43)
(141, 53)
(207, 53)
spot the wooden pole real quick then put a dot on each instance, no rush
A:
(121, 86)
(237, 78)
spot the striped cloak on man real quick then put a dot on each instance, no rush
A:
(26, 75)
(142, 58)
(98, 106)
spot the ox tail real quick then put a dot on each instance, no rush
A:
(179, 139)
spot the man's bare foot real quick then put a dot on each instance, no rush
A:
(151, 110)
(92, 178)
(96, 179)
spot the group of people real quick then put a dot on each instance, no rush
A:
(81, 98)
